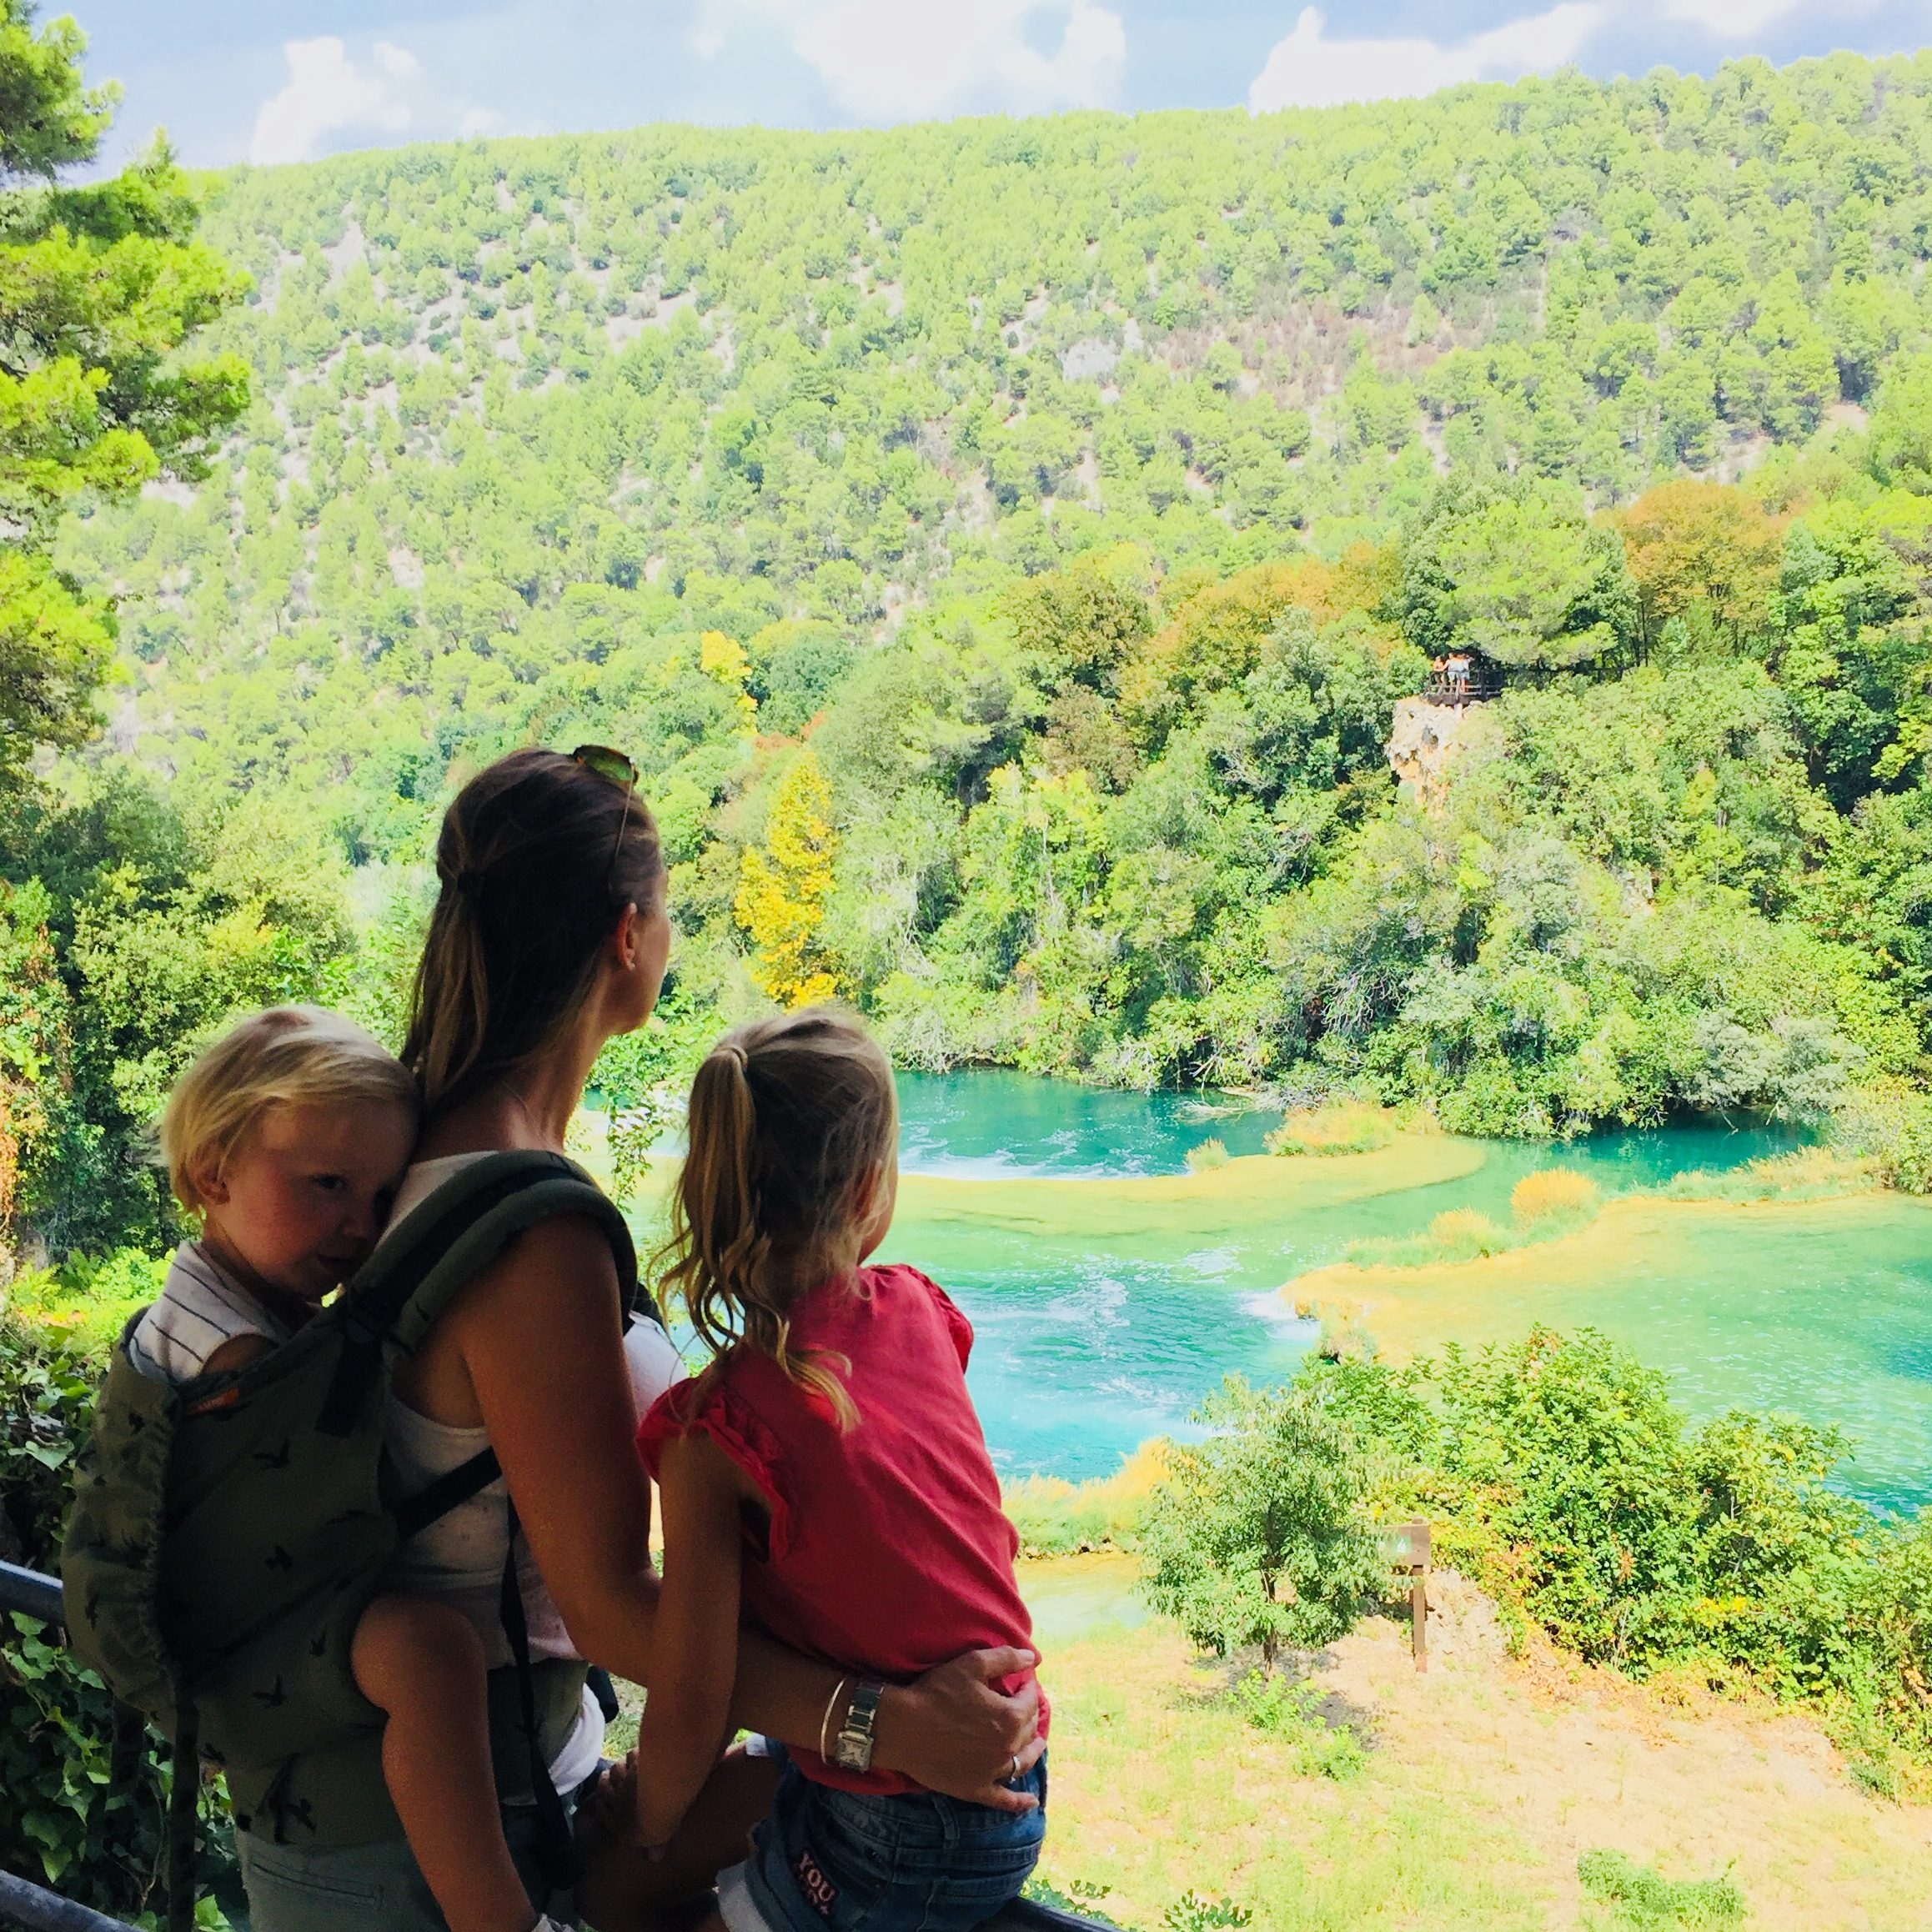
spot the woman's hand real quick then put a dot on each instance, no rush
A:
(951, 1731)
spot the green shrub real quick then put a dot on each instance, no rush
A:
(1194, 1912)
(1583, 1454)
(1558, 1473)
(1892, 1124)
(88, 1302)
(1336, 1126)
(1273, 1703)
(1079, 1896)
(1644, 1897)
(1057, 1517)
(1257, 1534)
(1208, 1156)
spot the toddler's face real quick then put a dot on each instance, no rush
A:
(300, 1204)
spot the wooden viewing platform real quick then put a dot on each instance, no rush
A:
(1462, 679)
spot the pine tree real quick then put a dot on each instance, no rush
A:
(98, 285)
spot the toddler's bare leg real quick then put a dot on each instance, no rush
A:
(422, 1663)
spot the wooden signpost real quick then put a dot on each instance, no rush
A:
(1408, 1555)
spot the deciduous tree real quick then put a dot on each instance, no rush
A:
(1257, 1535)
(785, 885)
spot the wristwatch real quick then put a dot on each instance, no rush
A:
(852, 1747)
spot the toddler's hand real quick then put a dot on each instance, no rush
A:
(614, 1804)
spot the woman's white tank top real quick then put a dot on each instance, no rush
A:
(459, 1558)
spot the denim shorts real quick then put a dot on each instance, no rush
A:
(857, 1862)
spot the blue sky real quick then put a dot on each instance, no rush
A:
(277, 80)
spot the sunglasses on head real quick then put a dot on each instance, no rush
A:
(606, 762)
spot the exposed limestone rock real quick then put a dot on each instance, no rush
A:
(1427, 739)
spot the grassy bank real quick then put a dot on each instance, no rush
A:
(1250, 1194)
(1423, 1299)
(1484, 1783)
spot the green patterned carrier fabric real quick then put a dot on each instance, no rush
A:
(227, 1534)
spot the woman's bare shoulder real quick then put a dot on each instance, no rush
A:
(565, 1259)
(555, 1286)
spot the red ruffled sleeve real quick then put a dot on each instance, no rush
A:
(698, 1406)
(957, 1325)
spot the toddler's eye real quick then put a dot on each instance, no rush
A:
(331, 1183)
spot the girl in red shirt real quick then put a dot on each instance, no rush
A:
(826, 1477)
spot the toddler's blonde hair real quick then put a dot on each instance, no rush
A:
(287, 1056)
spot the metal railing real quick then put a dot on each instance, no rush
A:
(33, 1910)
(21, 1904)
(1478, 683)
(30, 1592)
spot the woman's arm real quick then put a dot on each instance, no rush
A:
(685, 1722)
(540, 1335)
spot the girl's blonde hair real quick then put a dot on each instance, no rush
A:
(789, 1119)
(287, 1056)
(538, 855)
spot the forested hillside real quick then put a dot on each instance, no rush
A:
(1003, 545)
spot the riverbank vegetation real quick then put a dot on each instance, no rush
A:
(1560, 1477)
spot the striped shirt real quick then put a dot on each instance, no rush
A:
(200, 1308)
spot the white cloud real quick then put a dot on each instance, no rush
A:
(892, 60)
(328, 94)
(1729, 19)
(1309, 70)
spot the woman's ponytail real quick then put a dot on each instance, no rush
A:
(450, 1005)
(537, 858)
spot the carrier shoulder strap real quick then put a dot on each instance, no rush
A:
(445, 1242)
(556, 1846)
(435, 1500)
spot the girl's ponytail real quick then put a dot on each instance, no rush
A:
(789, 1119)
(715, 1211)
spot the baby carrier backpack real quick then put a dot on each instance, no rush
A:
(226, 1535)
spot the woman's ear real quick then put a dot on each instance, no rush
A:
(210, 1189)
(626, 937)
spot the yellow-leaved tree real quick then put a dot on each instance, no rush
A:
(784, 886)
(723, 660)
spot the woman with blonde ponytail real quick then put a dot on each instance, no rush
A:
(550, 936)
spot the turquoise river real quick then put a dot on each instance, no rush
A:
(1110, 1289)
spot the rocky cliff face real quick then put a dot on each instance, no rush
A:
(1428, 739)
